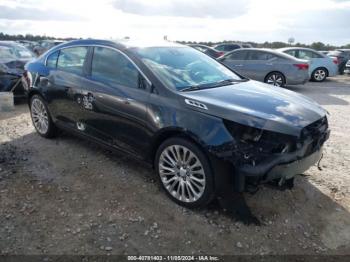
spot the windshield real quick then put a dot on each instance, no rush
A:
(15, 52)
(183, 67)
(5, 53)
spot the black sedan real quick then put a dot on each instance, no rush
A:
(13, 57)
(202, 127)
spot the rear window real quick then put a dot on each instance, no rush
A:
(72, 59)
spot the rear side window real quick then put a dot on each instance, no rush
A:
(316, 55)
(72, 59)
(52, 60)
(292, 52)
(258, 55)
(237, 55)
(110, 65)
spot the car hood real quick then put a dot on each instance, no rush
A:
(257, 105)
(15, 66)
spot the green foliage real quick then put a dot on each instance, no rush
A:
(29, 37)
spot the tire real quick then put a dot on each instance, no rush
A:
(276, 79)
(319, 74)
(197, 188)
(41, 118)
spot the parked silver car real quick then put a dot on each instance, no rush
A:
(267, 66)
(321, 65)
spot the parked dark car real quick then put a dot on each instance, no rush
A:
(201, 126)
(267, 65)
(208, 50)
(45, 45)
(341, 57)
(347, 68)
(228, 47)
(13, 57)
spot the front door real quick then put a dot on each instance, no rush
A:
(115, 100)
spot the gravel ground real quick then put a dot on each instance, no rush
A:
(69, 196)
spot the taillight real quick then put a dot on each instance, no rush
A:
(220, 54)
(336, 60)
(302, 66)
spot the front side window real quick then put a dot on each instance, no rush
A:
(182, 67)
(72, 59)
(52, 60)
(112, 66)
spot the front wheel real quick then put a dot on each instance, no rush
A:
(319, 75)
(41, 117)
(184, 172)
(276, 79)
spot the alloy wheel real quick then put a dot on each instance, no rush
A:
(275, 79)
(320, 75)
(182, 173)
(40, 116)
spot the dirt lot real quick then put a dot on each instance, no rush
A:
(69, 196)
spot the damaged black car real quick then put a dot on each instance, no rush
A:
(13, 57)
(204, 128)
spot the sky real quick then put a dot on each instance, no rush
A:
(306, 21)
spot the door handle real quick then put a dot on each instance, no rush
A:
(238, 65)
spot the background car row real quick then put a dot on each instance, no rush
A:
(284, 66)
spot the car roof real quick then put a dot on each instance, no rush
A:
(120, 44)
(296, 48)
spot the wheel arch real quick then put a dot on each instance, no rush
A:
(167, 133)
(32, 93)
(276, 71)
(322, 67)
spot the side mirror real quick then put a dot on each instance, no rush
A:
(44, 81)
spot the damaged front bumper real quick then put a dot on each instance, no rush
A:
(259, 166)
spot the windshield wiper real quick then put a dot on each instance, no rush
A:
(212, 85)
(191, 88)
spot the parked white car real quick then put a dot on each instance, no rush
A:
(321, 65)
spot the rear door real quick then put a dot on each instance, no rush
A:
(117, 96)
(259, 64)
(65, 80)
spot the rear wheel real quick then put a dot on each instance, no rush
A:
(41, 117)
(276, 79)
(319, 74)
(184, 172)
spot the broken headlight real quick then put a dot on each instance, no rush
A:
(255, 144)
